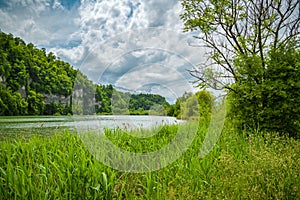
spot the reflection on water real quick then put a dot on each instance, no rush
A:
(44, 124)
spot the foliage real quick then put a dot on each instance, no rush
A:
(12, 103)
(252, 55)
(30, 78)
(273, 103)
(111, 101)
(151, 103)
(176, 109)
(190, 108)
(205, 104)
(193, 106)
(83, 97)
(36, 103)
(104, 97)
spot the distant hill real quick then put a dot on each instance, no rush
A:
(33, 82)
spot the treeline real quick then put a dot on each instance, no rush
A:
(110, 101)
(33, 82)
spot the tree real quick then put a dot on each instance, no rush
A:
(273, 104)
(234, 28)
(11, 103)
(31, 81)
(243, 38)
(190, 108)
(36, 103)
(197, 106)
(205, 105)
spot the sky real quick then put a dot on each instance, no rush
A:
(135, 45)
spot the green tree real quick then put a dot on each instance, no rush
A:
(103, 98)
(11, 103)
(205, 105)
(148, 102)
(33, 78)
(120, 103)
(190, 108)
(274, 103)
(243, 37)
(235, 28)
(4, 67)
(36, 103)
(197, 106)
(176, 109)
(83, 95)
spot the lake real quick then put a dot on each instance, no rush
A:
(49, 124)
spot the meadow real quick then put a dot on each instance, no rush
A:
(248, 165)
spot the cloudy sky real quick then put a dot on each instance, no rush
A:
(135, 45)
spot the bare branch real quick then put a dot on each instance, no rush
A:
(240, 28)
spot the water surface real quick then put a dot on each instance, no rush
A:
(47, 124)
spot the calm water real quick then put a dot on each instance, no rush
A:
(48, 124)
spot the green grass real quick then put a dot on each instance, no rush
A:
(239, 167)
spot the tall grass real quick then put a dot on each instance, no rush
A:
(239, 167)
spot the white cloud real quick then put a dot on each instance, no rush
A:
(34, 6)
(74, 54)
(157, 79)
(101, 21)
(57, 5)
(147, 74)
(107, 39)
(44, 23)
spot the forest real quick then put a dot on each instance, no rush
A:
(34, 82)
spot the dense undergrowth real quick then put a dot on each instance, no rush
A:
(239, 167)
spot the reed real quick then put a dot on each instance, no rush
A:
(62, 167)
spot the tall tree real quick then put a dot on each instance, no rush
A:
(235, 28)
(246, 41)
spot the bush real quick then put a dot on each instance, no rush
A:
(268, 99)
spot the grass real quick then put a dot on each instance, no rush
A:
(62, 167)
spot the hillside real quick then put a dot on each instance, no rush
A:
(33, 82)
